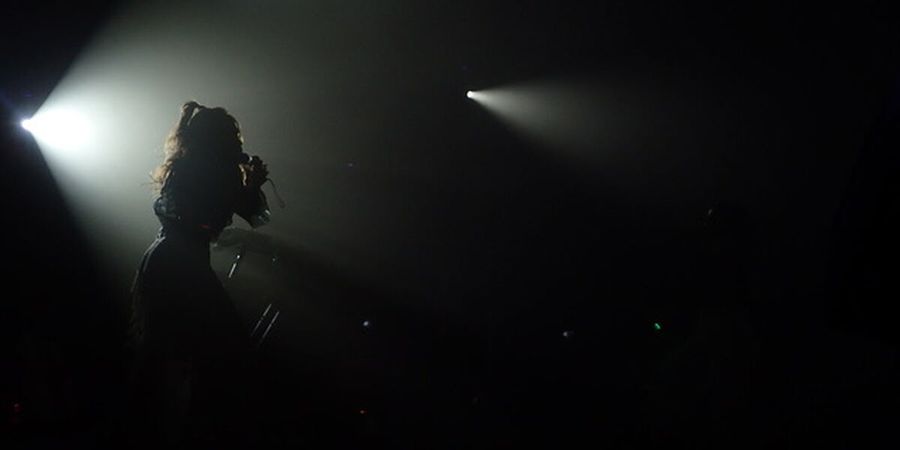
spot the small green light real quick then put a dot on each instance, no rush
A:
(657, 326)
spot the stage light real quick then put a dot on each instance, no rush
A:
(60, 129)
(571, 117)
(478, 96)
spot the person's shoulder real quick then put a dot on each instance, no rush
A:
(186, 166)
(179, 171)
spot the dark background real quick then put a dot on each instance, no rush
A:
(777, 310)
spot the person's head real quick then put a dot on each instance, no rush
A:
(202, 133)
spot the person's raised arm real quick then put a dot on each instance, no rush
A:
(251, 203)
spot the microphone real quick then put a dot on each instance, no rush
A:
(244, 158)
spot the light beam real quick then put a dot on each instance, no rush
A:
(59, 129)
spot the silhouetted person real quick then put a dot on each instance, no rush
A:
(191, 348)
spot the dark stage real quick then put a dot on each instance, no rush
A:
(647, 225)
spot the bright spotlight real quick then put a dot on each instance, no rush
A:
(478, 96)
(59, 128)
(570, 115)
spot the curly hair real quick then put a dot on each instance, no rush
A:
(200, 132)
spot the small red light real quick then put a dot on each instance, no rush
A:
(362, 412)
(17, 408)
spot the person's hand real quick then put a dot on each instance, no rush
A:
(255, 172)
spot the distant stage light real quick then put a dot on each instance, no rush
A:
(478, 96)
(60, 129)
